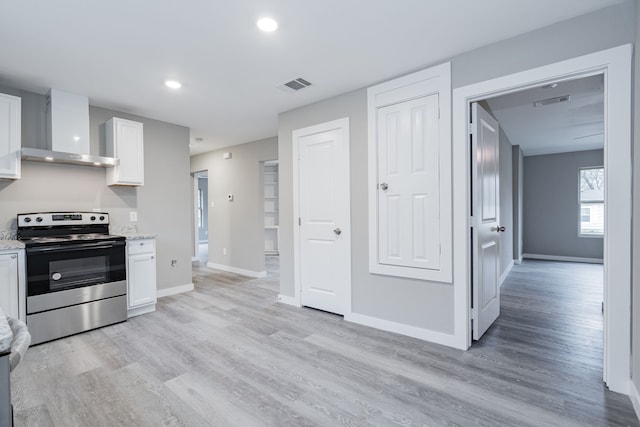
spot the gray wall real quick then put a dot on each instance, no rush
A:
(635, 325)
(160, 203)
(551, 205)
(417, 303)
(237, 226)
(506, 203)
(518, 201)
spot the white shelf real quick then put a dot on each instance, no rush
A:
(271, 215)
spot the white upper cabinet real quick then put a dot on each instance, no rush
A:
(10, 136)
(125, 141)
(410, 176)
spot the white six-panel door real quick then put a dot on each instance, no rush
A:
(324, 215)
(408, 184)
(486, 219)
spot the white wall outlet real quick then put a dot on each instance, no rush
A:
(230, 197)
(133, 216)
(96, 210)
(224, 251)
(213, 204)
(174, 262)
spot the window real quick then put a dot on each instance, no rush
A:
(591, 211)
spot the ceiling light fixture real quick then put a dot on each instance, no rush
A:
(267, 25)
(173, 84)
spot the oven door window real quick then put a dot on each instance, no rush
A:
(52, 270)
(72, 273)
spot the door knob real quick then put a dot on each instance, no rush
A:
(498, 229)
(384, 186)
(337, 231)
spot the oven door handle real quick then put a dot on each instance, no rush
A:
(109, 244)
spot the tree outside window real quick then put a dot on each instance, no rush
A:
(591, 210)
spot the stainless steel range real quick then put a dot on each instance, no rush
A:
(76, 273)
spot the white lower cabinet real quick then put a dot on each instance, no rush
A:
(141, 276)
(12, 288)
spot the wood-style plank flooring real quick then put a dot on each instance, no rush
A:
(228, 355)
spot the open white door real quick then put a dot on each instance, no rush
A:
(324, 215)
(485, 177)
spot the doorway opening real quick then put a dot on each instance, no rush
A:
(553, 137)
(201, 217)
(615, 67)
(548, 210)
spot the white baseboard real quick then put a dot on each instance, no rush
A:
(402, 329)
(289, 300)
(635, 398)
(141, 310)
(506, 273)
(563, 258)
(242, 271)
(518, 260)
(175, 290)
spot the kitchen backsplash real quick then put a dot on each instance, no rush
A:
(7, 234)
(123, 230)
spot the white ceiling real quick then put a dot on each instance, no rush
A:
(556, 128)
(120, 52)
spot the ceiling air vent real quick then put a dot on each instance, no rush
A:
(550, 101)
(294, 85)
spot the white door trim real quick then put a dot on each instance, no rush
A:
(615, 65)
(342, 124)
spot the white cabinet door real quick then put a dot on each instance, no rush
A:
(125, 141)
(10, 131)
(142, 279)
(408, 189)
(9, 297)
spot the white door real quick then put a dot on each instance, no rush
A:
(486, 219)
(324, 215)
(409, 223)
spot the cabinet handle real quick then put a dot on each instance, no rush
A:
(14, 256)
(152, 257)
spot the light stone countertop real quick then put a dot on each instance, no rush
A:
(138, 236)
(10, 244)
(6, 336)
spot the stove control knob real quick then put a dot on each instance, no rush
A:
(93, 218)
(101, 217)
(27, 219)
(39, 219)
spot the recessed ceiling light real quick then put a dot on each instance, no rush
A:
(267, 25)
(173, 84)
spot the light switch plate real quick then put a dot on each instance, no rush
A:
(213, 204)
(133, 216)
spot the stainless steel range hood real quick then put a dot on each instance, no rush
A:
(67, 120)
(38, 155)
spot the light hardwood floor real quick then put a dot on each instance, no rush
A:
(228, 355)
